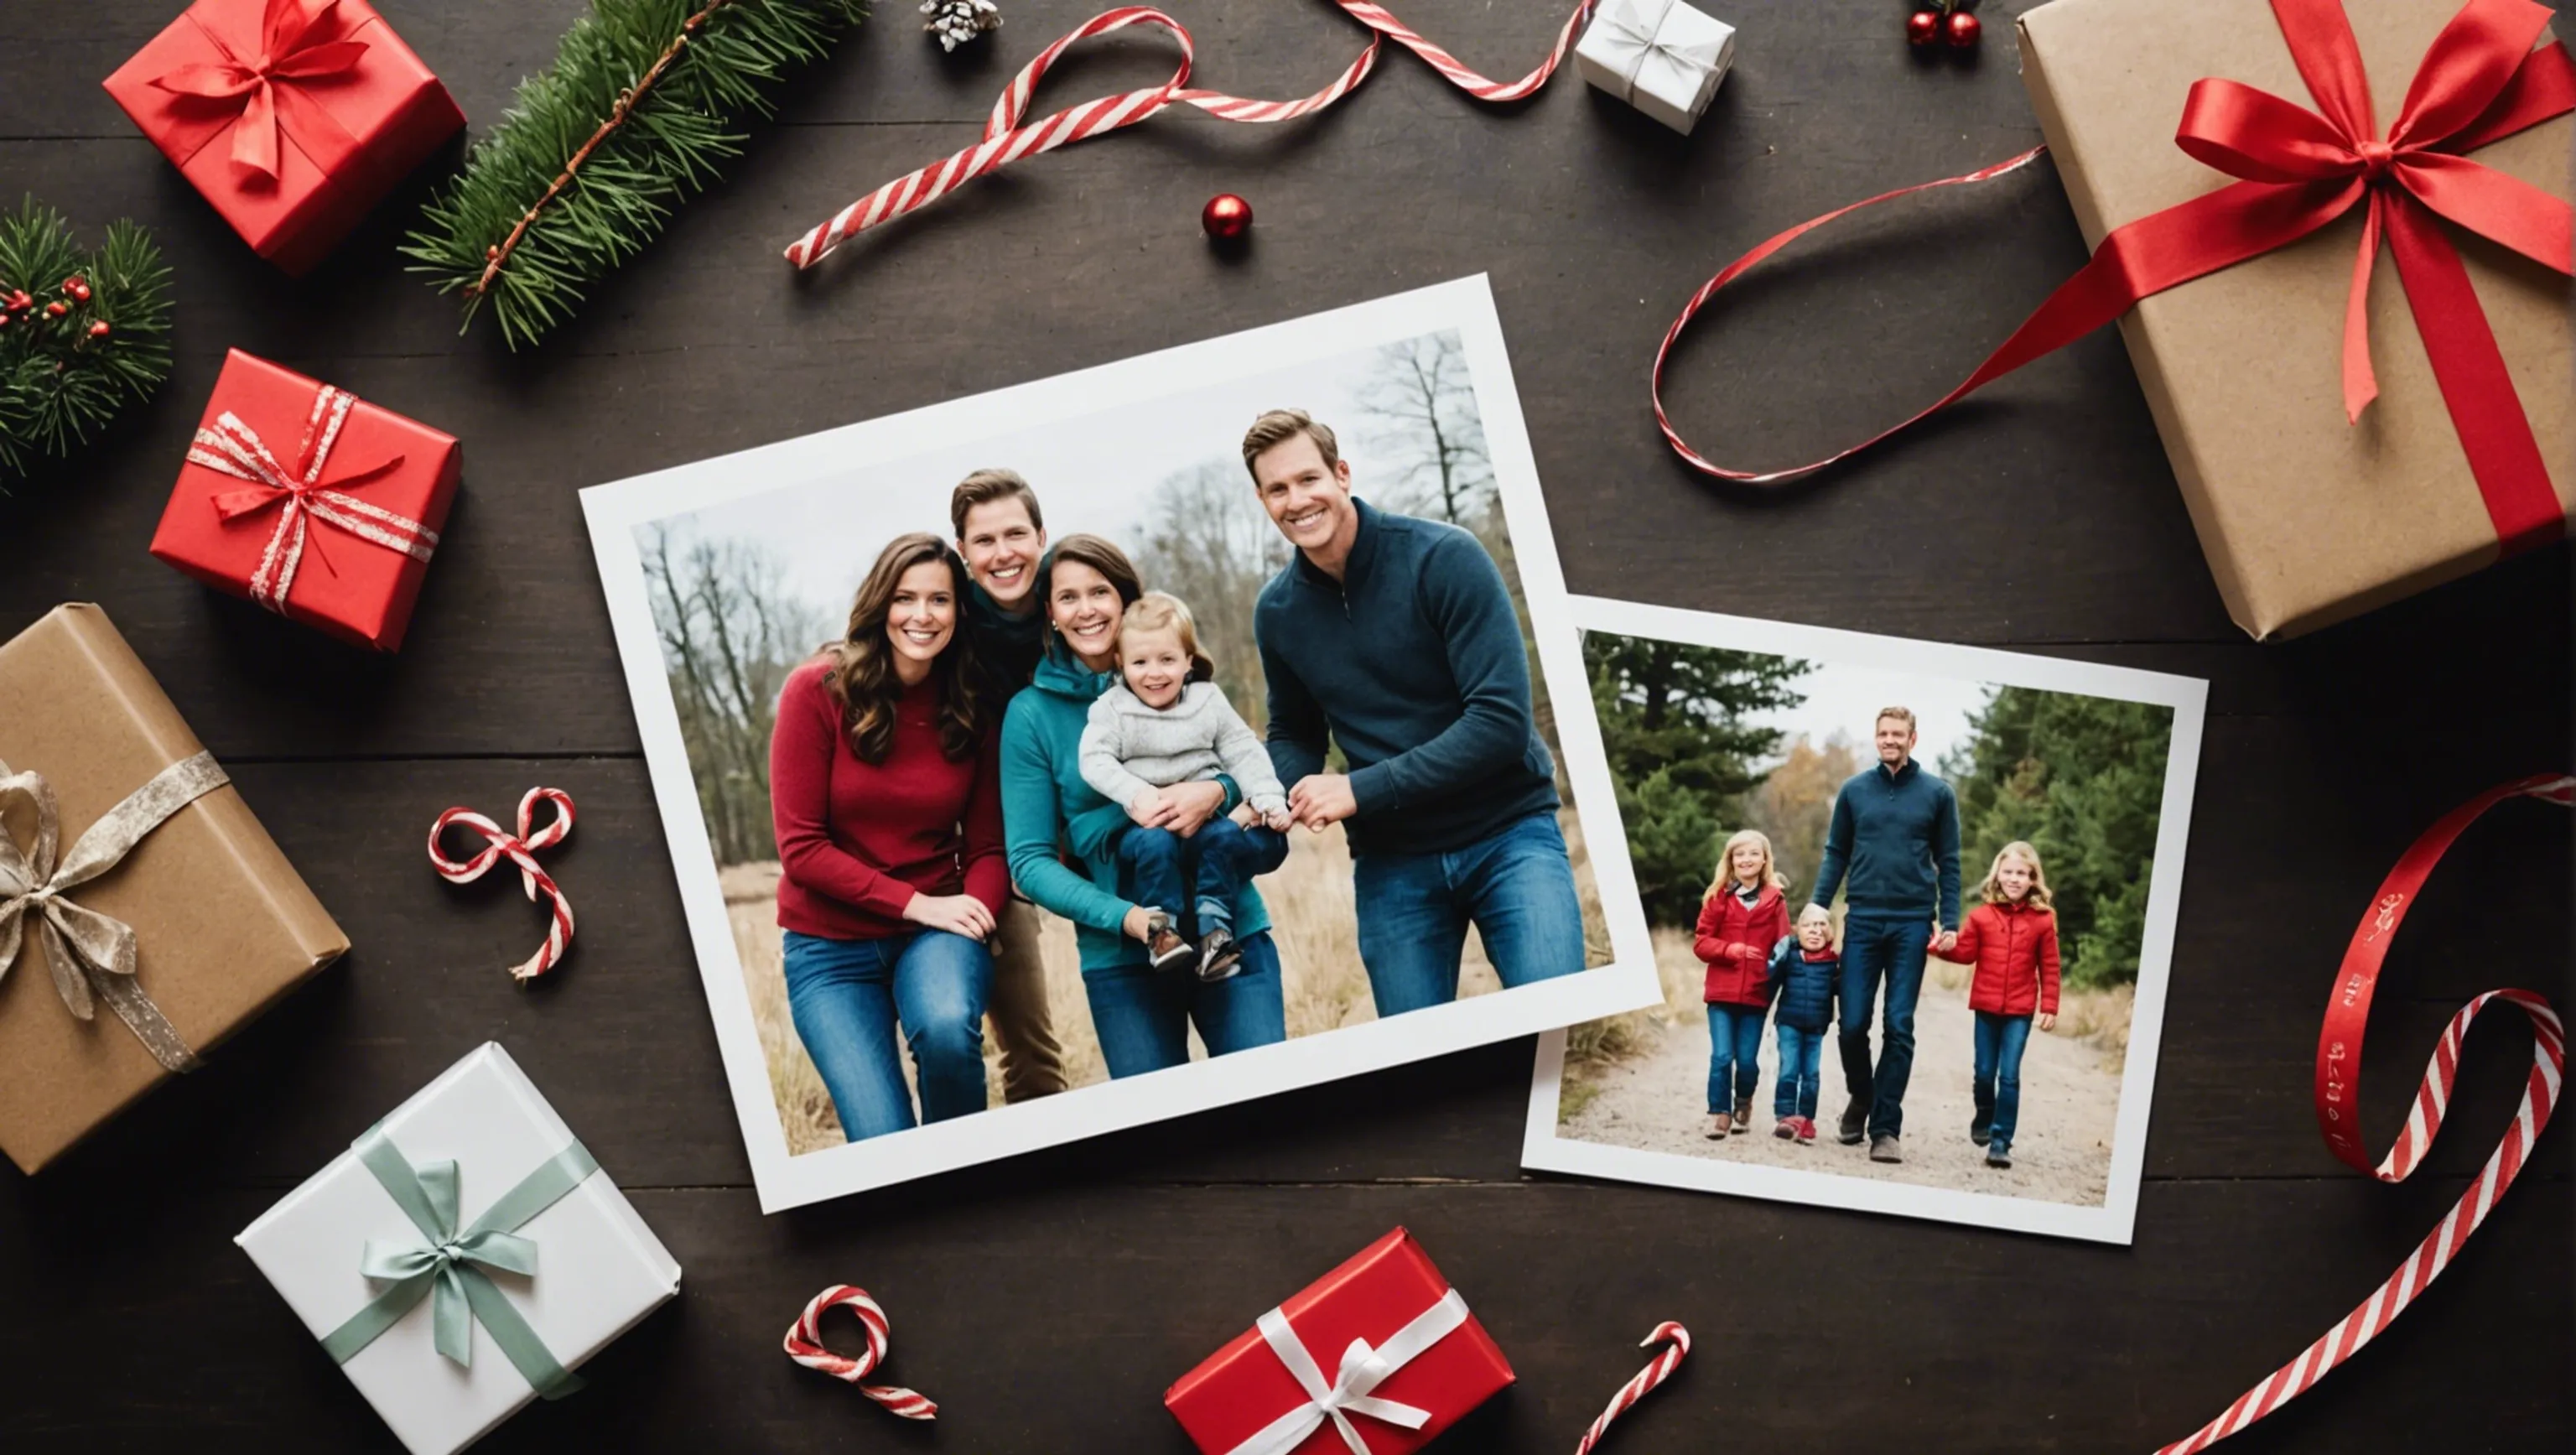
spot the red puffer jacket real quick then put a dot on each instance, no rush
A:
(1735, 943)
(2014, 947)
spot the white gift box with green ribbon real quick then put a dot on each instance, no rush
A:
(463, 1256)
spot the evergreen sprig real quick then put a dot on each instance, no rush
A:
(64, 375)
(639, 110)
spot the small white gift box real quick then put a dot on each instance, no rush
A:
(1660, 56)
(463, 1256)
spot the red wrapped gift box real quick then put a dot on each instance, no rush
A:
(1391, 1357)
(292, 117)
(310, 501)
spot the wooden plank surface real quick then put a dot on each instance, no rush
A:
(1046, 1301)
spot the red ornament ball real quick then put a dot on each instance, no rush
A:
(1961, 30)
(1226, 217)
(1922, 27)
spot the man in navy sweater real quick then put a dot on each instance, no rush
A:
(1395, 638)
(1895, 832)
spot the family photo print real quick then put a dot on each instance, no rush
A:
(1131, 742)
(1912, 906)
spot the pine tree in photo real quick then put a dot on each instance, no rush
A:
(640, 110)
(82, 334)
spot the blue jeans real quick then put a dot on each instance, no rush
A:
(1200, 875)
(849, 996)
(1894, 948)
(1143, 1016)
(1802, 1055)
(1515, 885)
(1734, 1053)
(2000, 1039)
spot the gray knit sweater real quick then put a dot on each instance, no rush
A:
(1130, 749)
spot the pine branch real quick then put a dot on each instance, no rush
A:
(82, 334)
(638, 112)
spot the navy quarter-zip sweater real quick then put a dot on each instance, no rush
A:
(1413, 662)
(1897, 834)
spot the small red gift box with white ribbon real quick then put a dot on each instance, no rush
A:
(1376, 1357)
(310, 501)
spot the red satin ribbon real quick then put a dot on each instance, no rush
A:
(2480, 80)
(266, 95)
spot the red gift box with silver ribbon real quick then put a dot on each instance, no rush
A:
(1376, 1357)
(310, 501)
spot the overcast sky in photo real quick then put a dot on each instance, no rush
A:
(1846, 699)
(1095, 474)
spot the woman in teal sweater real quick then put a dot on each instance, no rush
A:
(1061, 837)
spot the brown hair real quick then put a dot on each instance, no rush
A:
(1162, 611)
(861, 676)
(2039, 898)
(986, 486)
(1904, 715)
(1101, 556)
(1278, 426)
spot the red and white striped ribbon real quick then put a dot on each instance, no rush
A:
(805, 1346)
(1677, 1341)
(520, 849)
(234, 448)
(2339, 1072)
(1006, 140)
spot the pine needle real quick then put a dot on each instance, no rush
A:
(61, 381)
(597, 151)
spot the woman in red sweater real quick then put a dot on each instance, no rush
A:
(1745, 914)
(2012, 940)
(886, 795)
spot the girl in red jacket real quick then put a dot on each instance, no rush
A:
(1745, 914)
(2012, 940)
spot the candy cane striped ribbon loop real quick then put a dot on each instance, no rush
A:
(1006, 139)
(521, 850)
(805, 1346)
(234, 448)
(2339, 1073)
(1676, 1341)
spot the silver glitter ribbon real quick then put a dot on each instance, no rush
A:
(92, 954)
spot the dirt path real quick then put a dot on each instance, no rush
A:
(2061, 1152)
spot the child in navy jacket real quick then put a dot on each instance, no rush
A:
(1804, 969)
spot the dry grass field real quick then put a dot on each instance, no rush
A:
(1311, 921)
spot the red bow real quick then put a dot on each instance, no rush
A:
(289, 54)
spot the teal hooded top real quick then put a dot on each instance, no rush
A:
(1050, 815)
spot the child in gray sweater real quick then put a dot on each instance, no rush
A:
(1161, 724)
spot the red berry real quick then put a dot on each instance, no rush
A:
(57, 310)
(77, 287)
(99, 329)
(1922, 27)
(1960, 30)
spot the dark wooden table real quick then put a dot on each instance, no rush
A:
(1045, 1302)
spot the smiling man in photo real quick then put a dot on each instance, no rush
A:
(1394, 638)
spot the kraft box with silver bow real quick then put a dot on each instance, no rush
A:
(144, 913)
(463, 1257)
(1660, 56)
(1376, 1357)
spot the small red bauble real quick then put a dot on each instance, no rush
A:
(1961, 30)
(1226, 217)
(1922, 27)
(100, 329)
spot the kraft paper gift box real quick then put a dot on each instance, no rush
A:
(292, 117)
(1660, 56)
(2306, 519)
(1268, 1391)
(310, 501)
(199, 926)
(549, 1263)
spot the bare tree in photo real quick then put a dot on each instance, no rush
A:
(1425, 435)
(1211, 544)
(730, 634)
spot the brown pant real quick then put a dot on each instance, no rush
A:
(1032, 1061)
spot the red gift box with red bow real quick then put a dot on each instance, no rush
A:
(292, 117)
(1377, 1357)
(310, 501)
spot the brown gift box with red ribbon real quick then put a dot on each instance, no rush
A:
(292, 117)
(310, 501)
(215, 922)
(2307, 518)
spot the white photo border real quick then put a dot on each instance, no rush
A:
(1629, 981)
(2115, 1221)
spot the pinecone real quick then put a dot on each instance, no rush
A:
(956, 22)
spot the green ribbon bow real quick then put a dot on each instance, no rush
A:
(445, 1267)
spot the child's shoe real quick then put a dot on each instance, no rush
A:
(1806, 1131)
(1743, 1114)
(1219, 955)
(1998, 1154)
(1718, 1123)
(1786, 1129)
(1164, 947)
